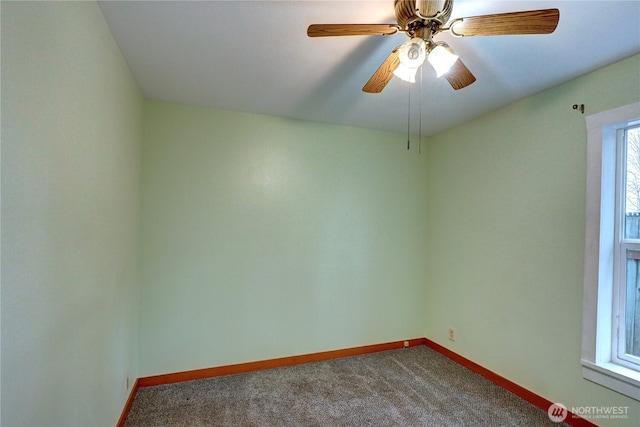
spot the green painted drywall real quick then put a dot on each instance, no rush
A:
(265, 237)
(71, 132)
(506, 236)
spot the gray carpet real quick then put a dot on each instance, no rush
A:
(409, 387)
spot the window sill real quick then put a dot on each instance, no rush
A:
(616, 377)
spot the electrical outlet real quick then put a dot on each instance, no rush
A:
(406, 344)
(452, 334)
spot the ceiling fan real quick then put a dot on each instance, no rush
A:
(421, 20)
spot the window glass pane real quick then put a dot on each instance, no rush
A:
(632, 306)
(632, 184)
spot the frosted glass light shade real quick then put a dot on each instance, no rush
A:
(441, 58)
(405, 73)
(411, 54)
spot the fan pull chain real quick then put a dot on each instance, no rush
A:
(420, 118)
(409, 120)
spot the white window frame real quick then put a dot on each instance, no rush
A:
(599, 322)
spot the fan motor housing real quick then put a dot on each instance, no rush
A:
(416, 14)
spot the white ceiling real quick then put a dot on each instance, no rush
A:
(255, 56)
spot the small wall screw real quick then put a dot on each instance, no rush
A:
(579, 107)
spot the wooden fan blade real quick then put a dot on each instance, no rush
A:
(330, 30)
(459, 75)
(383, 74)
(542, 21)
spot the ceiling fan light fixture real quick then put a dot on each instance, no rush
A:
(405, 73)
(412, 54)
(442, 58)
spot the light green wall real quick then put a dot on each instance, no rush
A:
(265, 237)
(506, 236)
(71, 131)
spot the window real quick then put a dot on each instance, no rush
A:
(626, 303)
(611, 317)
(627, 249)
